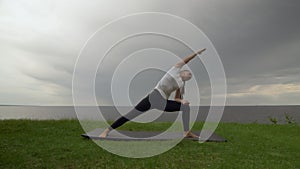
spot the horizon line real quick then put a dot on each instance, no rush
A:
(132, 106)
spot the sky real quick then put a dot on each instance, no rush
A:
(258, 43)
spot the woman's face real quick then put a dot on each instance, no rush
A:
(186, 75)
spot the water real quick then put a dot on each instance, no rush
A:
(238, 114)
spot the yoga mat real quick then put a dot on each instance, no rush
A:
(118, 135)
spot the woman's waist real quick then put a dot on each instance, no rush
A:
(159, 92)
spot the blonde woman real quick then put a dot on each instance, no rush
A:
(158, 98)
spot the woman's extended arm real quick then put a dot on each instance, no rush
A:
(188, 58)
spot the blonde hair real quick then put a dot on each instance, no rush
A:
(184, 71)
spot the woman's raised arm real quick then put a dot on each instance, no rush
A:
(186, 59)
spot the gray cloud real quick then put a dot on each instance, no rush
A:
(258, 42)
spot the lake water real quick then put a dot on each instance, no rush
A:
(238, 114)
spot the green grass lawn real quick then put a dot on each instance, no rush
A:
(58, 144)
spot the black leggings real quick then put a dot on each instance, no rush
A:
(155, 100)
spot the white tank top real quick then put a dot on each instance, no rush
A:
(170, 82)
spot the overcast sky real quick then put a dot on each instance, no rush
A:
(258, 43)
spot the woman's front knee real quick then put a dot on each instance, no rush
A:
(185, 107)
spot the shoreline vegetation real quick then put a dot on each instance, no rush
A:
(58, 144)
(231, 114)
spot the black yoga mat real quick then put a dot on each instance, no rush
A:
(124, 135)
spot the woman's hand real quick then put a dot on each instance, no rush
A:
(200, 51)
(185, 102)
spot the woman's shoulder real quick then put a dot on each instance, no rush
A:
(174, 70)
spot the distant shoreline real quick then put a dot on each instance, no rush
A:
(235, 114)
(129, 106)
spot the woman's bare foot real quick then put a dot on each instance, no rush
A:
(189, 134)
(104, 133)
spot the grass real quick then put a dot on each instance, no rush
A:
(58, 144)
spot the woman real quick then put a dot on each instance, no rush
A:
(173, 80)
